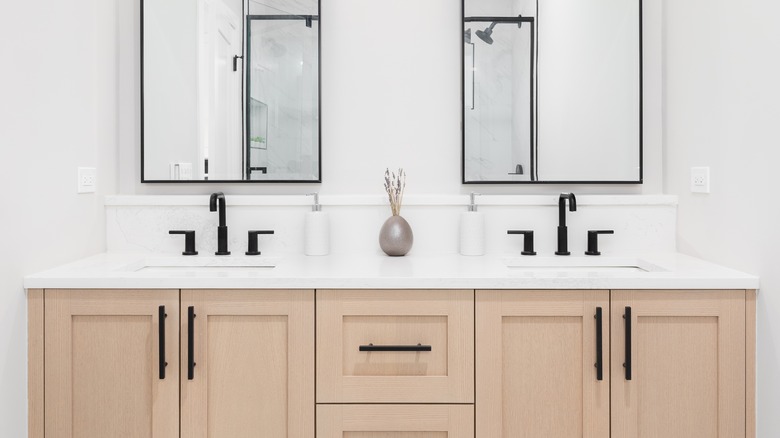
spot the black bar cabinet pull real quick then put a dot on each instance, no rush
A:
(372, 347)
(627, 363)
(161, 315)
(190, 342)
(599, 346)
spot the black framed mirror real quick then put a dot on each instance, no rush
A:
(230, 91)
(552, 92)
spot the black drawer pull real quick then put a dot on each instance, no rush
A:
(190, 343)
(599, 346)
(627, 363)
(161, 315)
(372, 347)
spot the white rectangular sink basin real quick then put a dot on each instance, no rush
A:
(582, 264)
(201, 263)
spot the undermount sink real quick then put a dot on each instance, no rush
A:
(582, 264)
(168, 264)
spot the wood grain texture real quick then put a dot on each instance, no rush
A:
(101, 368)
(254, 355)
(395, 421)
(535, 371)
(35, 363)
(688, 372)
(750, 364)
(443, 319)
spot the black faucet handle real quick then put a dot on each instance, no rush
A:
(528, 241)
(252, 244)
(593, 241)
(189, 241)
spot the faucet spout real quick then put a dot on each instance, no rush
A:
(219, 196)
(562, 207)
(217, 201)
(563, 230)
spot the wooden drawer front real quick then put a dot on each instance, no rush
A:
(395, 421)
(441, 320)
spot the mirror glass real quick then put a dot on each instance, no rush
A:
(552, 91)
(230, 91)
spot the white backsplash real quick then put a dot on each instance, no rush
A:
(642, 224)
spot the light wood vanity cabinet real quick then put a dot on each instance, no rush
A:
(252, 355)
(677, 368)
(391, 363)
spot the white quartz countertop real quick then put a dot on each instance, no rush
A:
(375, 271)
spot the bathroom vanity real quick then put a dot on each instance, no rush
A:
(371, 346)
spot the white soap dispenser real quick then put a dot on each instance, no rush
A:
(472, 230)
(316, 230)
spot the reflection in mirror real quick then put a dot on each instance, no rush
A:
(283, 113)
(552, 91)
(230, 91)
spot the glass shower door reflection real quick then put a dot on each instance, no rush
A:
(283, 135)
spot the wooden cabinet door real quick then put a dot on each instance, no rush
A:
(536, 364)
(395, 346)
(395, 421)
(686, 358)
(102, 367)
(253, 355)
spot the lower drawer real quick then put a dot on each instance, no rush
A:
(395, 421)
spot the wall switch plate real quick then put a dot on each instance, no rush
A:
(87, 180)
(700, 179)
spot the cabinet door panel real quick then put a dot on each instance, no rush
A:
(102, 364)
(536, 356)
(395, 421)
(687, 364)
(254, 364)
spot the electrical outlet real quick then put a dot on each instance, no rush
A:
(87, 182)
(700, 179)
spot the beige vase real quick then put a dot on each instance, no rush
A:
(396, 237)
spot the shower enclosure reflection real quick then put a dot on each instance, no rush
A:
(499, 97)
(283, 97)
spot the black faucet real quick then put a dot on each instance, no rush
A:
(563, 231)
(222, 231)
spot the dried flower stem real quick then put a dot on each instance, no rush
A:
(395, 186)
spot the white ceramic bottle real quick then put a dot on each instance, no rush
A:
(472, 230)
(316, 230)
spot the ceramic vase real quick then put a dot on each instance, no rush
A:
(396, 237)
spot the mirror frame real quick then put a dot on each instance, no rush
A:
(244, 105)
(535, 100)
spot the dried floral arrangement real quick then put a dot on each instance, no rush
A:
(394, 186)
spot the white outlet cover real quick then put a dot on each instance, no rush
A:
(87, 180)
(700, 179)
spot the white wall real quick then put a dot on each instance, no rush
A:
(390, 98)
(58, 89)
(722, 110)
